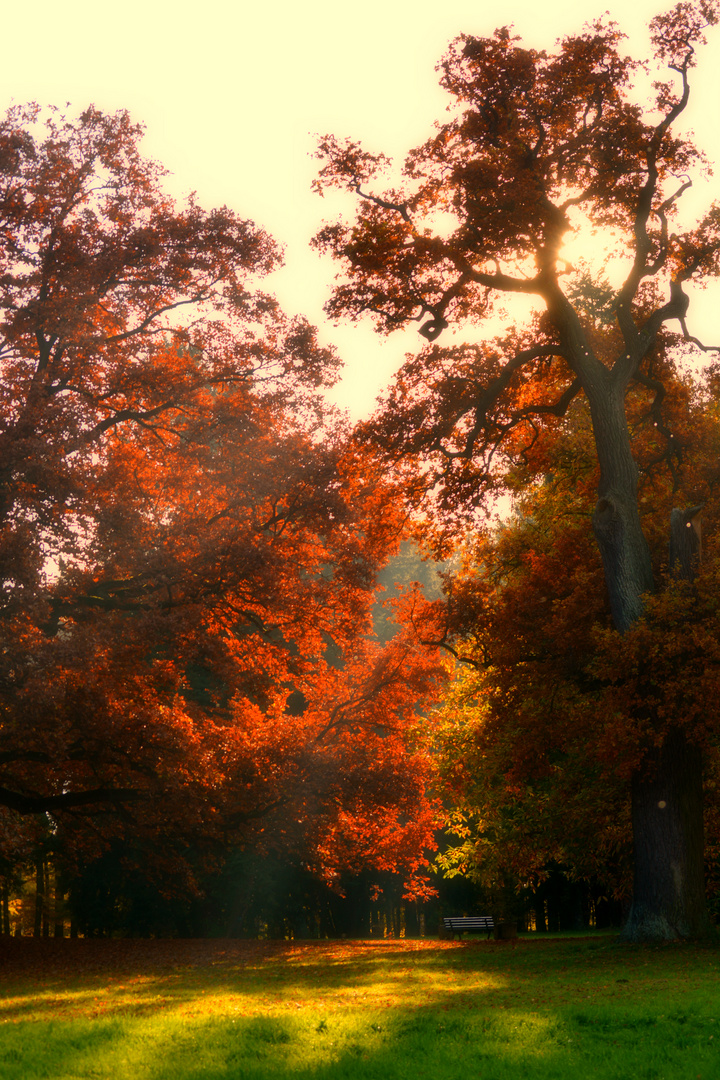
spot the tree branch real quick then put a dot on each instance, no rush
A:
(39, 804)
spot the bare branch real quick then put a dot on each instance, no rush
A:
(400, 208)
(695, 341)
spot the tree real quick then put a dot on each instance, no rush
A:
(542, 731)
(529, 768)
(188, 546)
(543, 149)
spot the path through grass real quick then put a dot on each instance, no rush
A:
(573, 1009)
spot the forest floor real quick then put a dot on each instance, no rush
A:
(575, 1008)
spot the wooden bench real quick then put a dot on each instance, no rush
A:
(471, 924)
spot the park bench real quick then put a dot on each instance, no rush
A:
(471, 924)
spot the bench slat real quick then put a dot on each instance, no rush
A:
(480, 920)
(469, 922)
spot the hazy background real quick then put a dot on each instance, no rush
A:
(233, 94)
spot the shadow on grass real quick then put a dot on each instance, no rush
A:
(425, 1042)
(528, 973)
(347, 972)
(590, 1010)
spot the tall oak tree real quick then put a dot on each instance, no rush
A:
(542, 149)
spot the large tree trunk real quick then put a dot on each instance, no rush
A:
(667, 806)
(625, 555)
(667, 815)
(616, 521)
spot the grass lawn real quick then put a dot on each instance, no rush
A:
(564, 1008)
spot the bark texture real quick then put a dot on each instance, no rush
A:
(685, 543)
(616, 521)
(669, 900)
(625, 556)
(667, 815)
(667, 801)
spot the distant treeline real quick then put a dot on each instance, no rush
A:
(254, 897)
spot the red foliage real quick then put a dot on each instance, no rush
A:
(188, 546)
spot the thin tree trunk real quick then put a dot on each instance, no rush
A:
(39, 895)
(58, 907)
(46, 900)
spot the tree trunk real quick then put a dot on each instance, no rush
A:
(59, 905)
(625, 555)
(685, 543)
(39, 896)
(616, 520)
(46, 900)
(667, 805)
(6, 909)
(667, 815)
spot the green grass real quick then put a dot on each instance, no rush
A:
(564, 1008)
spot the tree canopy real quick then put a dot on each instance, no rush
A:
(188, 543)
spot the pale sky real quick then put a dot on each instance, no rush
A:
(232, 94)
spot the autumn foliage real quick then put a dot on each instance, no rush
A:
(188, 543)
(549, 182)
(190, 537)
(551, 710)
